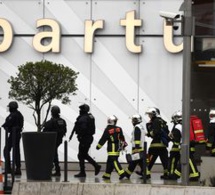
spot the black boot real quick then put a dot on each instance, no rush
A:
(57, 171)
(18, 172)
(81, 174)
(97, 169)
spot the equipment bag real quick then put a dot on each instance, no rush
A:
(164, 133)
(196, 130)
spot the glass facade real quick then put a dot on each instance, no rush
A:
(203, 66)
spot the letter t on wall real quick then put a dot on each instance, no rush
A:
(130, 23)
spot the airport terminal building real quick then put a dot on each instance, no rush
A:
(129, 55)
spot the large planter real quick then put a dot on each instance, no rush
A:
(39, 148)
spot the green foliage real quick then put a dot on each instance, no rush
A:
(38, 83)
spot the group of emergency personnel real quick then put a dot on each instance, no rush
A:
(84, 128)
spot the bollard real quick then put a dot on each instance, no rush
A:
(144, 162)
(1, 179)
(65, 161)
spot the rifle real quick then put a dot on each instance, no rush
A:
(73, 131)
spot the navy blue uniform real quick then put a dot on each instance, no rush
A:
(14, 124)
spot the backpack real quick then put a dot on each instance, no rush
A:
(196, 130)
(91, 124)
(60, 127)
(164, 133)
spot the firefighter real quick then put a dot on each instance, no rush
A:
(193, 171)
(157, 147)
(175, 136)
(14, 125)
(137, 140)
(114, 137)
(210, 146)
(58, 125)
(85, 129)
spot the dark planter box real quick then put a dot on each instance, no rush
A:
(39, 148)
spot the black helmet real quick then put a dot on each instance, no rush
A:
(55, 110)
(84, 108)
(13, 105)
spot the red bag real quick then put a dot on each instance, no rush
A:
(196, 130)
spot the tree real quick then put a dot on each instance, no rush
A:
(38, 83)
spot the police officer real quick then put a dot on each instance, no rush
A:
(114, 137)
(137, 140)
(210, 146)
(175, 136)
(85, 129)
(14, 125)
(58, 125)
(157, 147)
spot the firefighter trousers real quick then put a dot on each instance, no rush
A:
(154, 153)
(113, 163)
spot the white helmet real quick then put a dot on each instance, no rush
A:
(112, 120)
(212, 114)
(153, 111)
(136, 118)
(177, 116)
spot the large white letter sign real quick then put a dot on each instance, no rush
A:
(90, 29)
(168, 38)
(54, 45)
(130, 23)
(8, 35)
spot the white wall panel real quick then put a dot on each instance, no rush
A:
(149, 12)
(70, 14)
(22, 14)
(160, 77)
(114, 84)
(112, 12)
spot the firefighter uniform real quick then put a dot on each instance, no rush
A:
(211, 134)
(138, 138)
(114, 137)
(194, 173)
(175, 150)
(175, 171)
(157, 147)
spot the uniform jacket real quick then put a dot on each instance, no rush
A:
(15, 120)
(113, 135)
(138, 138)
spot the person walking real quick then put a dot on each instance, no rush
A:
(210, 145)
(14, 125)
(114, 137)
(58, 125)
(137, 140)
(85, 129)
(157, 148)
(175, 135)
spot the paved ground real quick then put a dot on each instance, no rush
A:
(91, 178)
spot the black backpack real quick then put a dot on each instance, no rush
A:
(60, 127)
(91, 124)
(164, 132)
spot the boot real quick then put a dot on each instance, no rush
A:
(57, 171)
(56, 174)
(18, 172)
(97, 169)
(81, 174)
